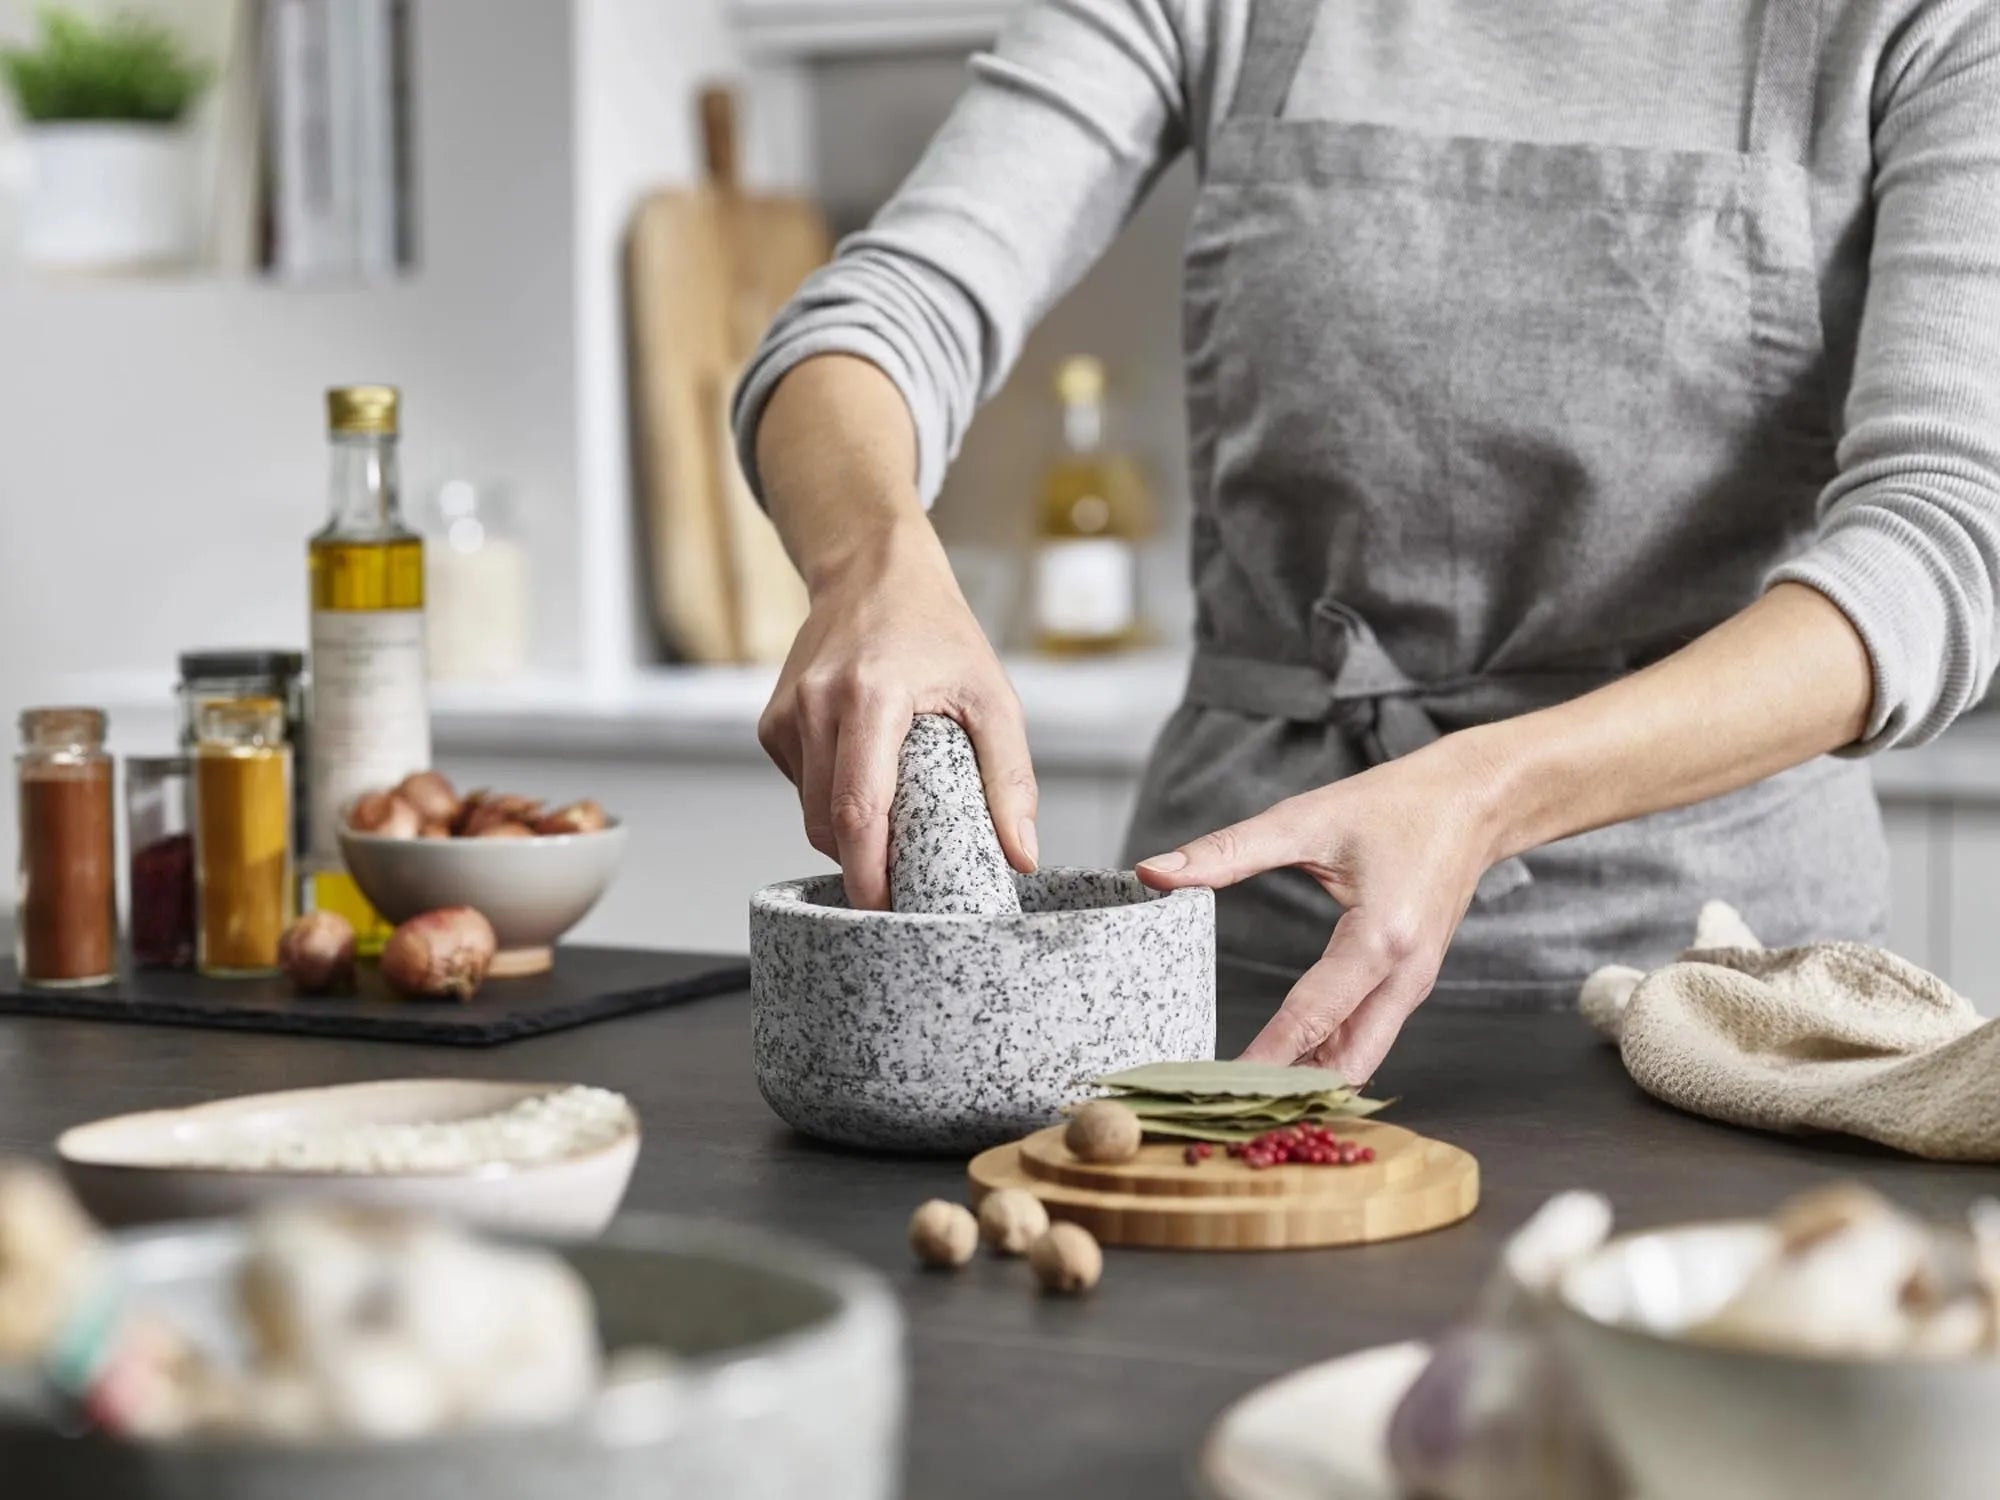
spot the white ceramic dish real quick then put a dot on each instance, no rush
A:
(1695, 1422)
(121, 1168)
(788, 1381)
(531, 890)
(1321, 1433)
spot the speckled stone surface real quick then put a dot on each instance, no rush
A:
(915, 1032)
(943, 853)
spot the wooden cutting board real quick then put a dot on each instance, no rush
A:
(708, 267)
(1157, 1199)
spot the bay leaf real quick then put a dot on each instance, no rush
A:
(1226, 1129)
(1204, 1130)
(1231, 1077)
(1145, 1106)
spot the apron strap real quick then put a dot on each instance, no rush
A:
(1784, 90)
(1279, 30)
(1360, 689)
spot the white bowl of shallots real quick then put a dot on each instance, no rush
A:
(532, 870)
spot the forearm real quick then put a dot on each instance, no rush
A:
(889, 635)
(837, 451)
(1783, 681)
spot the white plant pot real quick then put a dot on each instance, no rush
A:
(108, 195)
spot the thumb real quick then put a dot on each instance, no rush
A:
(1225, 856)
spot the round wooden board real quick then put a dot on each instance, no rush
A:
(1413, 1185)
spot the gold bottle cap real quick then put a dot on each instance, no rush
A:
(1080, 379)
(363, 409)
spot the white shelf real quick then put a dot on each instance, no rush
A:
(1093, 714)
(817, 28)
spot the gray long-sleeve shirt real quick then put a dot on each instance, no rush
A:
(1070, 118)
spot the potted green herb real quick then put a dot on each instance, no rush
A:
(103, 106)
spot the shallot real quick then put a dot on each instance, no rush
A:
(440, 953)
(387, 814)
(317, 953)
(586, 816)
(431, 795)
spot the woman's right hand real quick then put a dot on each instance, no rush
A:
(890, 636)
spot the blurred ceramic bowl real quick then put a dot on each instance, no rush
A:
(124, 1169)
(531, 890)
(784, 1378)
(1695, 1421)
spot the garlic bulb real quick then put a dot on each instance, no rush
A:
(1494, 1416)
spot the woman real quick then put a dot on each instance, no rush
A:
(1595, 420)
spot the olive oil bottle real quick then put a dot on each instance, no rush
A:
(1094, 516)
(369, 717)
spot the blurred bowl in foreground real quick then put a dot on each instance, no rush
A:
(1697, 1421)
(785, 1379)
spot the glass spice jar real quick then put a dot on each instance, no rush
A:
(160, 844)
(242, 836)
(227, 675)
(67, 917)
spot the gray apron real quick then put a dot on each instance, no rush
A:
(1475, 426)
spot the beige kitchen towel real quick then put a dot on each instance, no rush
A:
(1830, 1036)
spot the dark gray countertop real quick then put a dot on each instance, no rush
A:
(1015, 1395)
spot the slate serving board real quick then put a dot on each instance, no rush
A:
(587, 984)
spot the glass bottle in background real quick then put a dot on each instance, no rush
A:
(476, 601)
(242, 836)
(159, 844)
(1095, 514)
(212, 676)
(369, 716)
(66, 930)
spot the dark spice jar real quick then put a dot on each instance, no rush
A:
(67, 932)
(160, 836)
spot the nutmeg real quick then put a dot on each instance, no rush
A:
(943, 1234)
(1066, 1259)
(1104, 1131)
(1012, 1219)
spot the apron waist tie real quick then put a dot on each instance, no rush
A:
(1368, 697)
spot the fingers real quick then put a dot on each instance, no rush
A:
(1357, 1049)
(778, 733)
(819, 744)
(862, 787)
(1357, 959)
(1000, 739)
(1265, 842)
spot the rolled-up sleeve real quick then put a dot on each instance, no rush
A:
(1909, 538)
(1065, 125)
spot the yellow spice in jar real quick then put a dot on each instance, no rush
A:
(243, 845)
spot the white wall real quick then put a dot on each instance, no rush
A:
(162, 441)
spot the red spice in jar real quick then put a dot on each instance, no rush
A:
(163, 903)
(68, 911)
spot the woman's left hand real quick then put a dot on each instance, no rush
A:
(1400, 847)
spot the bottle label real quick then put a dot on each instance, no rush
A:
(370, 724)
(1086, 586)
